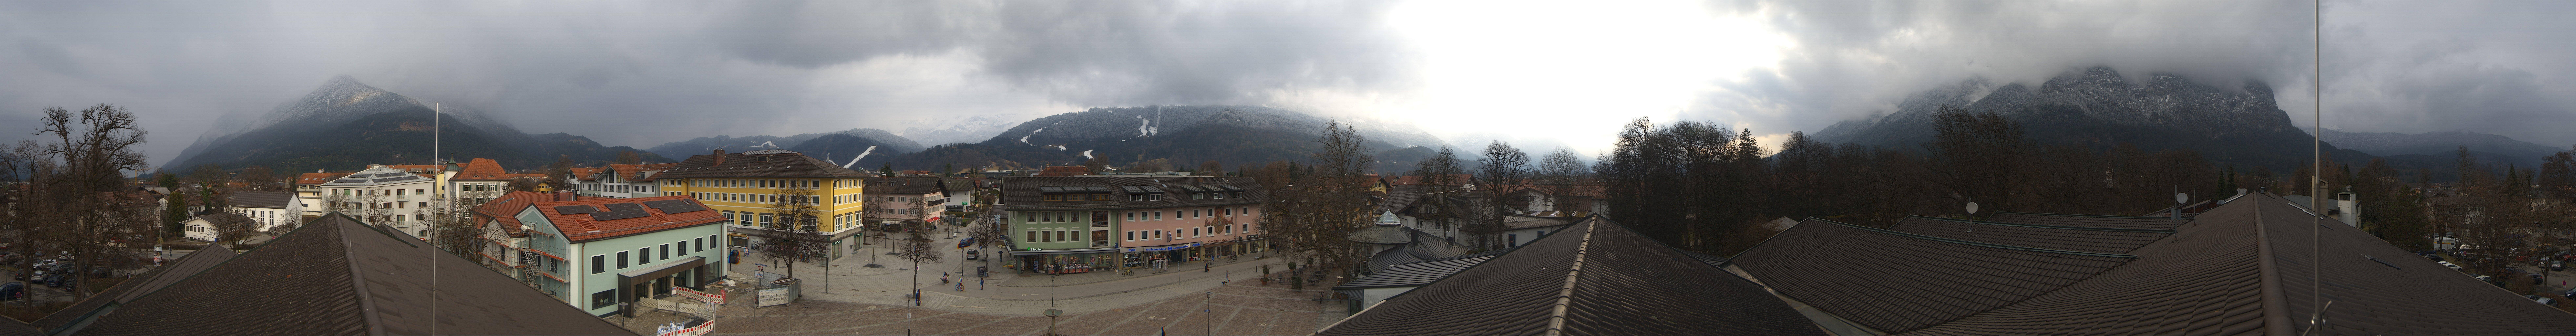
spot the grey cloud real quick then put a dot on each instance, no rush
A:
(640, 73)
(2391, 66)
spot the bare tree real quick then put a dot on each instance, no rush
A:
(260, 178)
(628, 157)
(1974, 155)
(1320, 209)
(918, 249)
(95, 148)
(21, 168)
(1502, 168)
(794, 238)
(1562, 167)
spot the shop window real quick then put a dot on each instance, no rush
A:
(603, 299)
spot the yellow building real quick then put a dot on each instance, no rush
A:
(748, 187)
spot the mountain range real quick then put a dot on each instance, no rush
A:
(346, 124)
(2099, 108)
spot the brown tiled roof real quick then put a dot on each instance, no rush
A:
(135, 287)
(2069, 238)
(1596, 278)
(337, 276)
(1028, 192)
(1829, 265)
(319, 178)
(505, 209)
(784, 164)
(2246, 268)
(11, 327)
(581, 227)
(2100, 221)
(482, 169)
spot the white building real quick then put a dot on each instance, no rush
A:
(479, 181)
(623, 181)
(271, 211)
(386, 196)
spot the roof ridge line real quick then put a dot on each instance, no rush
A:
(2045, 226)
(1565, 295)
(358, 280)
(1978, 243)
(2082, 215)
(2276, 309)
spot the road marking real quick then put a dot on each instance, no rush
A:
(1155, 318)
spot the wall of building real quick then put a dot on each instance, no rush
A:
(697, 241)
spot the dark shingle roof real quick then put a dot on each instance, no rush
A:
(1826, 264)
(259, 199)
(1398, 198)
(337, 276)
(136, 287)
(790, 164)
(1596, 278)
(2099, 221)
(2070, 238)
(1421, 272)
(2213, 277)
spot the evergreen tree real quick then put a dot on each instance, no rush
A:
(888, 170)
(177, 209)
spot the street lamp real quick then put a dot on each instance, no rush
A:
(1051, 313)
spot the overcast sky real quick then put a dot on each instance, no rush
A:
(1542, 73)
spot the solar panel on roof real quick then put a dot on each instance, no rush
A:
(617, 215)
(350, 181)
(665, 203)
(1096, 189)
(1192, 188)
(400, 178)
(682, 208)
(624, 206)
(1152, 189)
(1230, 188)
(575, 209)
(1134, 189)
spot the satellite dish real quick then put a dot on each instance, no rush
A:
(1972, 207)
(2180, 197)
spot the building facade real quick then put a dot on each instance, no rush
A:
(1085, 223)
(479, 181)
(747, 187)
(596, 253)
(402, 201)
(624, 181)
(902, 203)
(270, 211)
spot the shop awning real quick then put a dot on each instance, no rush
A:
(648, 273)
(1080, 251)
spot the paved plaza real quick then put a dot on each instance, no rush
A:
(844, 299)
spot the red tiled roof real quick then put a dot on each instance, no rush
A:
(584, 173)
(319, 178)
(634, 172)
(505, 209)
(482, 169)
(580, 227)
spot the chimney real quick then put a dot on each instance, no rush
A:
(719, 158)
(2350, 209)
(566, 195)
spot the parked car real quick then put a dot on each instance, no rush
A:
(2553, 302)
(13, 291)
(47, 263)
(972, 254)
(4, 246)
(2558, 265)
(54, 280)
(2536, 278)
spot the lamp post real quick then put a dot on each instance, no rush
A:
(1051, 313)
